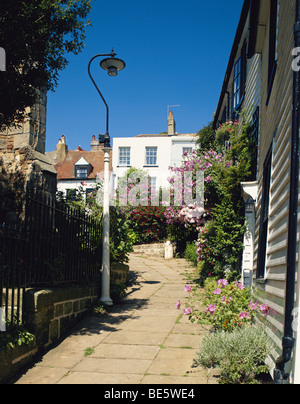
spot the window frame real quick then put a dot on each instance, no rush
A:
(79, 168)
(71, 194)
(187, 150)
(264, 218)
(153, 184)
(127, 162)
(148, 158)
(273, 40)
(239, 79)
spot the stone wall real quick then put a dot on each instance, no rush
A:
(155, 250)
(13, 360)
(51, 313)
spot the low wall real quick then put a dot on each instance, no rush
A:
(157, 249)
(49, 314)
(13, 360)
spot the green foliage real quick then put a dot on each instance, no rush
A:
(149, 222)
(89, 351)
(36, 35)
(221, 239)
(228, 305)
(240, 355)
(117, 291)
(206, 138)
(14, 336)
(221, 243)
(190, 253)
(121, 238)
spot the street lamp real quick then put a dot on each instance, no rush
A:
(112, 65)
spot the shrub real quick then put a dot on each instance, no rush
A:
(240, 355)
(228, 305)
(121, 239)
(15, 335)
(190, 253)
(149, 223)
(220, 244)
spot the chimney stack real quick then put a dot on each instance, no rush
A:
(62, 149)
(171, 124)
(95, 145)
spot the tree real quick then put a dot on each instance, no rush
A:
(206, 138)
(36, 35)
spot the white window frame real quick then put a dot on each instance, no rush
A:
(151, 156)
(124, 156)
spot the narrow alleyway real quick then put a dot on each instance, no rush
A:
(145, 340)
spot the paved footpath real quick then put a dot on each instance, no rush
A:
(144, 340)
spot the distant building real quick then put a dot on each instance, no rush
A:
(154, 153)
(77, 169)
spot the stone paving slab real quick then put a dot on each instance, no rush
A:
(144, 340)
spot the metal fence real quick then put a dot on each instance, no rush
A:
(13, 245)
(57, 244)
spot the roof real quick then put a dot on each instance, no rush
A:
(66, 169)
(166, 135)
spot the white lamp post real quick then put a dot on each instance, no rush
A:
(112, 65)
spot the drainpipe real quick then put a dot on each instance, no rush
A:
(288, 342)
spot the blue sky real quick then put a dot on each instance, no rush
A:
(176, 53)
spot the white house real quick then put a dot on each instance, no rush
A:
(153, 153)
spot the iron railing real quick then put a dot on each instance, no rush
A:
(57, 244)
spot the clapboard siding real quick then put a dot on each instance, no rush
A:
(276, 129)
(253, 85)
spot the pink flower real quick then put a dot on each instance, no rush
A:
(244, 314)
(211, 309)
(187, 310)
(84, 183)
(239, 285)
(187, 288)
(207, 179)
(178, 304)
(217, 292)
(265, 309)
(253, 306)
(222, 282)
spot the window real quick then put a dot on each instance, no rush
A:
(124, 156)
(237, 84)
(71, 195)
(264, 219)
(89, 192)
(153, 184)
(151, 156)
(272, 46)
(81, 171)
(186, 150)
(239, 78)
